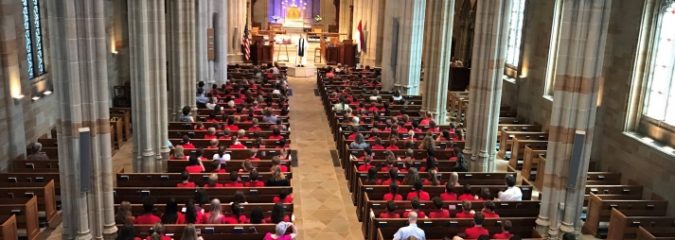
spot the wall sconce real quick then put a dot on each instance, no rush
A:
(47, 92)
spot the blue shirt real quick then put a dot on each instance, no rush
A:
(202, 99)
(410, 231)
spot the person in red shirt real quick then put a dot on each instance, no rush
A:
(284, 197)
(255, 127)
(366, 164)
(253, 180)
(393, 144)
(391, 211)
(449, 194)
(186, 143)
(489, 210)
(393, 194)
(415, 204)
(371, 178)
(506, 231)
(276, 161)
(278, 214)
(377, 145)
(276, 135)
(467, 194)
(418, 192)
(439, 212)
(194, 165)
(210, 133)
(235, 217)
(389, 162)
(148, 216)
(213, 144)
(215, 214)
(185, 181)
(236, 144)
(393, 178)
(234, 180)
(171, 214)
(466, 211)
(425, 121)
(477, 230)
(158, 233)
(231, 124)
(213, 182)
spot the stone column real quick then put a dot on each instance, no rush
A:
(437, 47)
(212, 14)
(485, 87)
(235, 22)
(182, 54)
(371, 15)
(78, 46)
(345, 18)
(402, 46)
(220, 28)
(203, 23)
(147, 42)
(578, 74)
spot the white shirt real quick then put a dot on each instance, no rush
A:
(511, 194)
(410, 231)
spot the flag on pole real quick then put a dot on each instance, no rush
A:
(246, 43)
(362, 38)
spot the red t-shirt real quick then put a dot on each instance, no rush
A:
(392, 147)
(217, 185)
(193, 169)
(147, 218)
(449, 196)
(234, 184)
(186, 185)
(254, 129)
(487, 214)
(275, 137)
(288, 199)
(388, 182)
(207, 136)
(440, 213)
(389, 215)
(502, 235)
(466, 197)
(364, 167)
(421, 195)
(377, 147)
(464, 215)
(237, 146)
(256, 183)
(269, 219)
(188, 146)
(390, 196)
(475, 232)
(420, 214)
(232, 219)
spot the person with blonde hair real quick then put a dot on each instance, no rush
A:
(178, 153)
(278, 178)
(215, 214)
(124, 215)
(454, 179)
(190, 233)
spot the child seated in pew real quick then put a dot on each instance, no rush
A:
(371, 179)
(439, 212)
(214, 215)
(235, 181)
(449, 194)
(148, 216)
(489, 210)
(418, 192)
(247, 166)
(158, 233)
(505, 233)
(210, 133)
(377, 144)
(389, 163)
(123, 214)
(212, 182)
(415, 204)
(278, 214)
(477, 230)
(391, 211)
(467, 194)
(466, 211)
(171, 214)
(253, 180)
(393, 194)
(178, 153)
(236, 144)
(393, 178)
(185, 181)
(255, 127)
(366, 164)
(278, 178)
(432, 178)
(213, 144)
(194, 165)
(284, 197)
(187, 145)
(276, 162)
(235, 216)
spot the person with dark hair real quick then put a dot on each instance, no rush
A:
(415, 204)
(278, 214)
(187, 145)
(449, 194)
(185, 115)
(489, 210)
(366, 164)
(234, 180)
(126, 232)
(393, 194)
(467, 194)
(418, 192)
(512, 193)
(276, 135)
(235, 216)
(192, 215)
(171, 214)
(194, 165)
(253, 179)
(284, 197)
(391, 211)
(516, 237)
(148, 216)
(393, 177)
(278, 179)
(485, 194)
(239, 197)
(483, 237)
(477, 230)
(439, 211)
(569, 236)
(505, 233)
(466, 211)
(256, 216)
(371, 179)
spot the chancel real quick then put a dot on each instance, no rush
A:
(337, 119)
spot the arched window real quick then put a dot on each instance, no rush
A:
(659, 94)
(33, 38)
(515, 31)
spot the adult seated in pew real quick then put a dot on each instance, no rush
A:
(418, 192)
(393, 194)
(505, 233)
(195, 165)
(211, 133)
(512, 192)
(185, 181)
(439, 211)
(411, 231)
(281, 232)
(466, 211)
(148, 216)
(278, 179)
(415, 208)
(392, 178)
(359, 142)
(391, 211)
(477, 230)
(123, 214)
(171, 214)
(36, 153)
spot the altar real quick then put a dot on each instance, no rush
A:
(294, 18)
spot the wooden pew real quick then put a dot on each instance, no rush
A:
(655, 234)
(26, 212)
(178, 166)
(163, 194)
(603, 178)
(199, 134)
(171, 179)
(607, 191)
(137, 208)
(530, 162)
(45, 193)
(241, 154)
(125, 115)
(31, 177)
(622, 226)
(34, 166)
(507, 137)
(599, 210)
(518, 149)
(541, 166)
(212, 231)
(442, 227)
(8, 228)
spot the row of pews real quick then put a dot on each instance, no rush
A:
(136, 188)
(368, 195)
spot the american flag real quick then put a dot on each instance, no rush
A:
(246, 44)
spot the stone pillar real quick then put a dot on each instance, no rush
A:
(81, 83)
(485, 87)
(182, 54)
(236, 19)
(345, 17)
(212, 15)
(402, 46)
(437, 47)
(203, 23)
(220, 28)
(371, 15)
(578, 74)
(147, 42)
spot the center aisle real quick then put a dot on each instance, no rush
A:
(322, 203)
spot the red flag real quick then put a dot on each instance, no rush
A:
(362, 38)
(246, 43)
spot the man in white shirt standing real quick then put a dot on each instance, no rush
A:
(411, 231)
(512, 193)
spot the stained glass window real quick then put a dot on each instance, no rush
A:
(660, 91)
(35, 64)
(515, 33)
